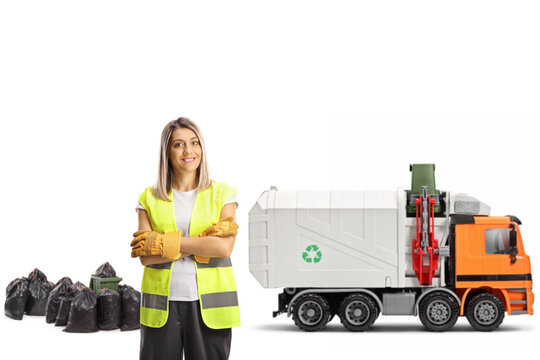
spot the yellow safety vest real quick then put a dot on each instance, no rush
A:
(215, 280)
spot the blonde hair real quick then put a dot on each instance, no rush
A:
(165, 179)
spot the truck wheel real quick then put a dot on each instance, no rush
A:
(358, 312)
(485, 312)
(311, 312)
(439, 311)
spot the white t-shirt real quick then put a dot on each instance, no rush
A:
(183, 285)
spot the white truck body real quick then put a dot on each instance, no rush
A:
(363, 238)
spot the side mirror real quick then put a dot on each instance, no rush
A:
(513, 244)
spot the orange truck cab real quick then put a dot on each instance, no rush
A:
(491, 271)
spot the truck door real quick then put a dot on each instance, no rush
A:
(485, 256)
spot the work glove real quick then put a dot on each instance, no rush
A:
(224, 228)
(147, 242)
(167, 245)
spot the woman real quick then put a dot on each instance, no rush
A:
(188, 306)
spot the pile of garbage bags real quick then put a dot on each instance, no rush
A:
(28, 295)
(74, 305)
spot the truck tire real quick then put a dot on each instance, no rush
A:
(358, 312)
(311, 312)
(439, 311)
(485, 312)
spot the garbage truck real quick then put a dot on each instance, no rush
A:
(425, 252)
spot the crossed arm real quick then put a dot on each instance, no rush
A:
(209, 246)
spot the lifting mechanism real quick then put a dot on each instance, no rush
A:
(425, 245)
(426, 202)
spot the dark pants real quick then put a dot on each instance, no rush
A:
(185, 333)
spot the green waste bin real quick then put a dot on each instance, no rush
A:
(98, 283)
(424, 175)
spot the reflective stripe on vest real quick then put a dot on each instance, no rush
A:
(152, 301)
(217, 300)
(215, 262)
(160, 266)
(215, 280)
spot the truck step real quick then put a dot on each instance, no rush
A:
(518, 302)
(519, 312)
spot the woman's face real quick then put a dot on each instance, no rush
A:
(184, 150)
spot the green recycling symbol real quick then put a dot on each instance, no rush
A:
(312, 254)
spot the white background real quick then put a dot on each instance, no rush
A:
(297, 94)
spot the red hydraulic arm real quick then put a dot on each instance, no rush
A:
(425, 254)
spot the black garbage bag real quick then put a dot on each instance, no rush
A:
(83, 313)
(16, 297)
(105, 271)
(53, 302)
(131, 300)
(63, 309)
(38, 293)
(37, 274)
(65, 304)
(64, 279)
(109, 310)
(12, 283)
